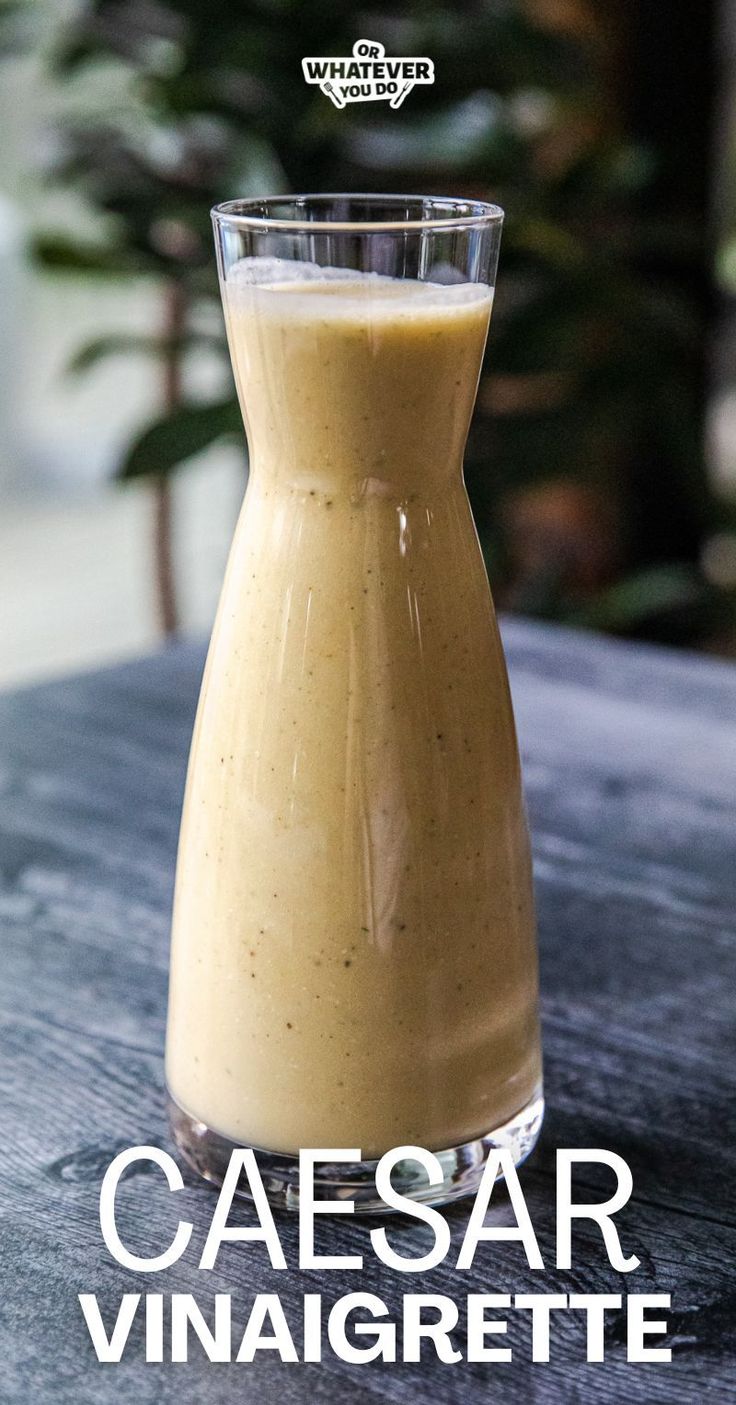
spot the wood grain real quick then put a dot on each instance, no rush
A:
(630, 767)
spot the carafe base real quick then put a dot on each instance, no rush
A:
(208, 1152)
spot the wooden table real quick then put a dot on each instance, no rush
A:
(630, 764)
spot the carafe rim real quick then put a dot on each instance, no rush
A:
(296, 213)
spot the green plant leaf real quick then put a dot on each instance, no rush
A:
(122, 343)
(168, 442)
(62, 255)
(636, 599)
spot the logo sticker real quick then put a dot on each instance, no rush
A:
(367, 76)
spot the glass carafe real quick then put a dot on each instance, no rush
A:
(353, 958)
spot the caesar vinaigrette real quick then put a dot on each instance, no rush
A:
(353, 957)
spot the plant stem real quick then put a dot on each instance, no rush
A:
(168, 613)
(175, 311)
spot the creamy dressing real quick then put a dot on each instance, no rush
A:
(353, 958)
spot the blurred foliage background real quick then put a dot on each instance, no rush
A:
(586, 465)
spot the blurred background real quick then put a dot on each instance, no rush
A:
(602, 460)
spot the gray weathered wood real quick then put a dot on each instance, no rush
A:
(630, 765)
